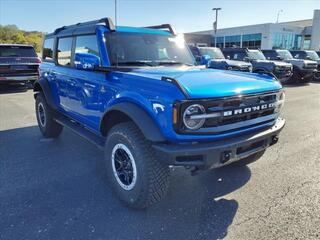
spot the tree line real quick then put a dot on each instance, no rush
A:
(12, 34)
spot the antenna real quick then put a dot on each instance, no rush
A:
(115, 12)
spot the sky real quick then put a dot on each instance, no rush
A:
(184, 15)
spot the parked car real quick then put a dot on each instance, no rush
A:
(311, 56)
(303, 70)
(213, 57)
(18, 64)
(137, 94)
(283, 71)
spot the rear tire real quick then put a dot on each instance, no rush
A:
(136, 176)
(47, 125)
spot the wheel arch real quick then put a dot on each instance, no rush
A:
(124, 112)
(42, 85)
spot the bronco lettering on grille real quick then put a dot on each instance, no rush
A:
(248, 109)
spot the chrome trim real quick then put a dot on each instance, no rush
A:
(20, 78)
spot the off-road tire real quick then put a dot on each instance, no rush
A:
(48, 127)
(250, 159)
(152, 179)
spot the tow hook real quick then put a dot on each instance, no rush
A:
(226, 155)
(274, 140)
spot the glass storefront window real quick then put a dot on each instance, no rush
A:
(252, 41)
(232, 41)
(297, 42)
(307, 42)
(283, 40)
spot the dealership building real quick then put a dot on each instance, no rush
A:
(303, 34)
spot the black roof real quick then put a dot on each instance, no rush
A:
(91, 26)
(234, 49)
(82, 28)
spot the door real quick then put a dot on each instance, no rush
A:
(80, 95)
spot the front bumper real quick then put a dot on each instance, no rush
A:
(307, 74)
(18, 79)
(284, 75)
(218, 153)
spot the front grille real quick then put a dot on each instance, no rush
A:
(241, 103)
(235, 113)
(284, 69)
(310, 66)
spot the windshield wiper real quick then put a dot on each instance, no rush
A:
(172, 63)
(136, 63)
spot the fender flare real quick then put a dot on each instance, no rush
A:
(43, 86)
(139, 116)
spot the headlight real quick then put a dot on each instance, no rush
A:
(193, 110)
(280, 101)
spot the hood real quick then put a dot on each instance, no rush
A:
(271, 62)
(282, 64)
(237, 63)
(210, 83)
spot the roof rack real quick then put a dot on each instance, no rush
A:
(164, 26)
(105, 21)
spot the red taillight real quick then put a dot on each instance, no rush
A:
(38, 60)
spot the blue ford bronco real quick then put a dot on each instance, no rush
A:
(137, 94)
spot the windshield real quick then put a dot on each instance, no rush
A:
(17, 51)
(285, 54)
(313, 55)
(256, 55)
(147, 49)
(214, 53)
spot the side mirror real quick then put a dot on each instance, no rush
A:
(308, 58)
(228, 57)
(279, 58)
(86, 61)
(211, 64)
(198, 59)
(205, 59)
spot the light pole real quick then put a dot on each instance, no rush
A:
(215, 25)
(280, 11)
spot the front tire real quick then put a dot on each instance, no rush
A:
(135, 174)
(47, 125)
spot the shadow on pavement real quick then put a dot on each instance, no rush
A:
(57, 189)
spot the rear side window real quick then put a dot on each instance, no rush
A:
(64, 51)
(47, 52)
(87, 44)
(17, 51)
(238, 56)
(270, 55)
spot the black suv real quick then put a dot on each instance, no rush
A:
(18, 64)
(311, 56)
(214, 58)
(303, 70)
(281, 70)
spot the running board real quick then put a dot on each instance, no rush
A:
(81, 131)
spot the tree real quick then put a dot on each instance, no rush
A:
(12, 34)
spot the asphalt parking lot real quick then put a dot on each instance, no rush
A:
(57, 189)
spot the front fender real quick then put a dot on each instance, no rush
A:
(140, 117)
